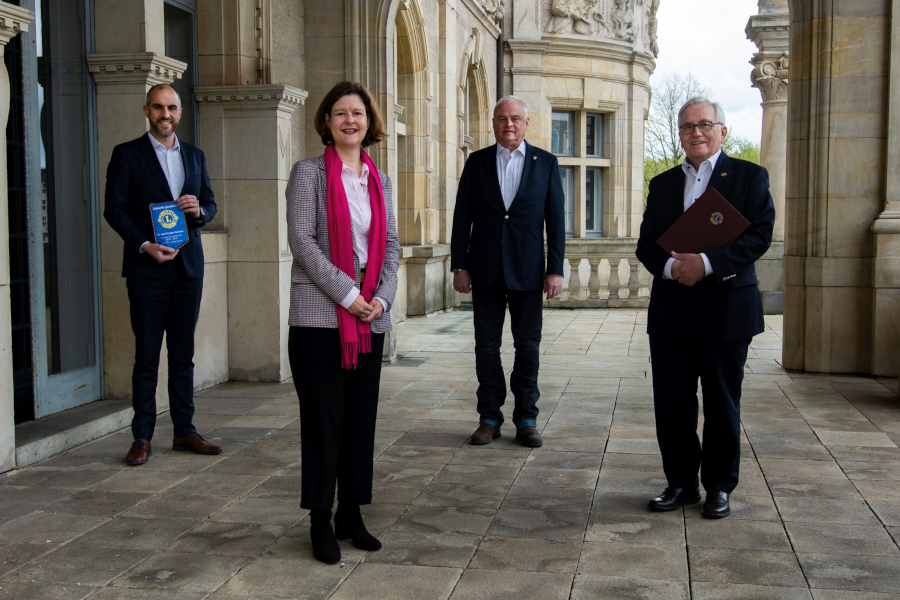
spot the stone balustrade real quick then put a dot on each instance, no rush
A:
(603, 273)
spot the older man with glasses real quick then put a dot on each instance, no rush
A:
(704, 309)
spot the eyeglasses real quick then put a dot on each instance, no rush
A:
(704, 126)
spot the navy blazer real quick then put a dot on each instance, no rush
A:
(486, 235)
(134, 181)
(725, 306)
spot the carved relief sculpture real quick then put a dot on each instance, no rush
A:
(652, 27)
(494, 9)
(583, 17)
(622, 18)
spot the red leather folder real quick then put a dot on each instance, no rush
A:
(708, 223)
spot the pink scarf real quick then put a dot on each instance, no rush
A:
(356, 336)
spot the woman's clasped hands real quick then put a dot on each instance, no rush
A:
(366, 312)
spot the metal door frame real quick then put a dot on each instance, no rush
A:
(55, 393)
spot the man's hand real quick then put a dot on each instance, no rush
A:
(359, 308)
(462, 282)
(190, 205)
(377, 311)
(552, 285)
(688, 269)
(159, 252)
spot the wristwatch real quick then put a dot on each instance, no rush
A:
(455, 271)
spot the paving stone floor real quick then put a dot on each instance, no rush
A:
(817, 513)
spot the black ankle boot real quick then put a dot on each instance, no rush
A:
(348, 523)
(325, 547)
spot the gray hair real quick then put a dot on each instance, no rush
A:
(720, 112)
(156, 87)
(510, 98)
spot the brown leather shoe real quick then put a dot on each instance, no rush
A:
(195, 443)
(530, 437)
(140, 452)
(485, 434)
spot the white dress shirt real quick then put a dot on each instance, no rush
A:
(509, 171)
(172, 166)
(695, 183)
(357, 189)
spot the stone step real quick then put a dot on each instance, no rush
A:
(43, 438)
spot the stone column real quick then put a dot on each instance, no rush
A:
(13, 21)
(770, 31)
(886, 270)
(839, 177)
(249, 129)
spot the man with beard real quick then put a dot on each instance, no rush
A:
(164, 284)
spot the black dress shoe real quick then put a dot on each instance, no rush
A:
(716, 505)
(673, 498)
(325, 547)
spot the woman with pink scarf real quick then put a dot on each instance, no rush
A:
(346, 252)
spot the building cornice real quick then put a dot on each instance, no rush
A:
(13, 21)
(138, 67)
(280, 96)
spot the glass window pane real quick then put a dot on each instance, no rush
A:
(567, 174)
(68, 253)
(594, 134)
(563, 131)
(594, 202)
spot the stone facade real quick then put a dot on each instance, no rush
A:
(436, 67)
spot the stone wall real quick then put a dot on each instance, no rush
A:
(841, 313)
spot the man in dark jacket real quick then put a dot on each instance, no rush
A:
(164, 284)
(508, 192)
(704, 310)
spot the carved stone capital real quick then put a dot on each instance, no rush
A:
(276, 96)
(13, 21)
(139, 67)
(770, 75)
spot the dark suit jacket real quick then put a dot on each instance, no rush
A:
(724, 306)
(134, 181)
(486, 235)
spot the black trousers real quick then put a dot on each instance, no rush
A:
(167, 305)
(677, 364)
(338, 408)
(525, 311)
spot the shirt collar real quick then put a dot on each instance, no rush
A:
(520, 149)
(365, 171)
(157, 144)
(712, 160)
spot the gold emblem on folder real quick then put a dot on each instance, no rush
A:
(716, 218)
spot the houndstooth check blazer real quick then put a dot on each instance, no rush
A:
(317, 285)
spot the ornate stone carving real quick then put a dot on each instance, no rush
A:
(770, 75)
(652, 27)
(494, 9)
(583, 17)
(622, 19)
(631, 21)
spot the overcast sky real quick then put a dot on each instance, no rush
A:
(707, 39)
